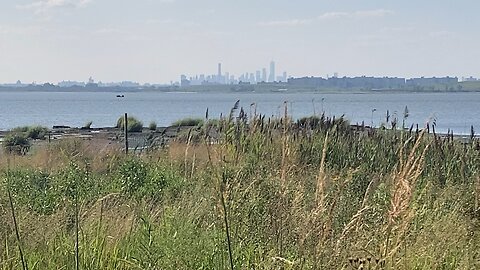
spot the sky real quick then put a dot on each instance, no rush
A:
(156, 41)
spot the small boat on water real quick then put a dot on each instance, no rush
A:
(120, 96)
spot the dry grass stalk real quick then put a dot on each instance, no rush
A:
(477, 195)
(353, 224)
(404, 180)
(321, 178)
(285, 150)
(186, 152)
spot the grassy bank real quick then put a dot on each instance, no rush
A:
(270, 195)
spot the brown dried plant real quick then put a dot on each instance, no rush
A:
(404, 180)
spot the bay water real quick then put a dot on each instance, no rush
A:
(454, 111)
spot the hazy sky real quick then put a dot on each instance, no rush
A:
(157, 40)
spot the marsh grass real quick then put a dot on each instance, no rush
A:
(263, 194)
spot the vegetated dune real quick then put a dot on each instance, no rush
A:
(266, 194)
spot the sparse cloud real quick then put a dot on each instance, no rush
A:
(20, 29)
(108, 30)
(372, 13)
(332, 15)
(43, 6)
(356, 14)
(293, 22)
(441, 34)
(361, 14)
(159, 21)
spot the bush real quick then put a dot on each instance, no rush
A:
(188, 122)
(134, 125)
(16, 143)
(37, 133)
(133, 176)
(142, 180)
(20, 129)
(36, 190)
(152, 126)
(32, 132)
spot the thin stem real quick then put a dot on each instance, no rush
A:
(17, 233)
(227, 231)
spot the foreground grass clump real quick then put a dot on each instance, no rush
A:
(133, 124)
(268, 194)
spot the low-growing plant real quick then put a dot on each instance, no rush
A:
(37, 132)
(188, 122)
(133, 175)
(133, 124)
(152, 126)
(28, 184)
(32, 132)
(16, 144)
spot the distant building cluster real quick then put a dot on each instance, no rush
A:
(469, 79)
(370, 82)
(89, 84)
(259, 76)
(265, 76)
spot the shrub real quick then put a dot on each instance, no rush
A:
(16, 143)
(37, 132)
(133, 176)
(20, 129)
(32, 132)
(133, 125)
(142, 180)
(188, 122)
(36, 190)
(152, 126)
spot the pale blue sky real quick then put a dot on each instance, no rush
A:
(157, 40)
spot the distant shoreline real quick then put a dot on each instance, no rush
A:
(224, 89)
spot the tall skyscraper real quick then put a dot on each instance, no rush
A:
(264, 75)
(271, 78)
(219, 75)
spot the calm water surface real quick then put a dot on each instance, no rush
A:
(456, 111)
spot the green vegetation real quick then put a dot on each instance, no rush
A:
(133, 124)
(88, 125)
(152, 126)
(271, 194)
(16, 143)
(188, 122)
(32, 132)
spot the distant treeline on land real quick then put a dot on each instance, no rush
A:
(304, 84)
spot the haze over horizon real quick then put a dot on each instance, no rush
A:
(157, 40)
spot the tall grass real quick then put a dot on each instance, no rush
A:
(264, 193)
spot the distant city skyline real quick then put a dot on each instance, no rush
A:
(156, 40)
(259, 76)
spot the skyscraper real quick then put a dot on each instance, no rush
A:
(264, 75)
(271, 78)
(258, 76)
(219, 75)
